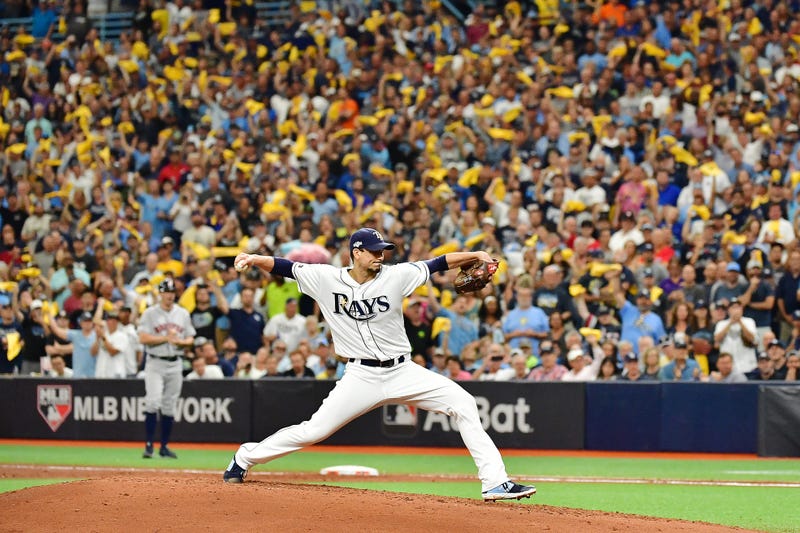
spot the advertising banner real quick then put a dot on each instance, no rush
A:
(209, 411)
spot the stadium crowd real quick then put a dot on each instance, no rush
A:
(635, 166)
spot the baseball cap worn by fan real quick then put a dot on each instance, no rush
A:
(369, 239)
(574, 354)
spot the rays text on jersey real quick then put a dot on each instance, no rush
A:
(360, 309)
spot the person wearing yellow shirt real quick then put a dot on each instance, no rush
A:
(166, 263)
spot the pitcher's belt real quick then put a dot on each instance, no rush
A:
(382, 364)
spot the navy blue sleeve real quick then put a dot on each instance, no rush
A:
(283, 267)
(437, 264)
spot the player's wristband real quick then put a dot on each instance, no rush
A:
(283, 267)
(437, 264)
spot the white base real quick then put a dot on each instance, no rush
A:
(348, 470)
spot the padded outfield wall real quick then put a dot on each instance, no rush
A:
(685, 417)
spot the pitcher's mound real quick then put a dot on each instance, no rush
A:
(177, 503)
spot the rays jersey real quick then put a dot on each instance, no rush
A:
(366, 319)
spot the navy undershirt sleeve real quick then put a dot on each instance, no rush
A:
(283, 267)
(437, 264)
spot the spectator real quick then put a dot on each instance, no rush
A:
(764, 370)
(549, 369)
(519, 364)
(279, 290)
(454, 369)
(205, 315)
(777, 354)
(632, 370)
(298, 367)
(247, 324)
(681, 368)
(84, 342)
(201, 370)
(115, 346)
(8, 325)
(737, 336)
(331, 370)
(462, 329)
(725, 372)
(204, 348)
(787, 291)
(732, 286)
(289, 326)
(418, 329)
(439, 361)
(793, 367)
(637, 321)
(33, 338)
(651, 360)
(582, 366)
(608, 370)
(550, 297)
(525, 321)
(58, 368)
(493, 368)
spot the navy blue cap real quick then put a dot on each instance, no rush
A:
(369, 239)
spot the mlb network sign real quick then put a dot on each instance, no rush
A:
(56, 402)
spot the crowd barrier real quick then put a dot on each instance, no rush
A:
(684, 417)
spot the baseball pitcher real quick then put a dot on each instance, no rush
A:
(363, 307)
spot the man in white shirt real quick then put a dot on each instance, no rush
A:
(584, 368)
(289, 326)
(58, 368)
(627, 232)
(201, 370)
(492, 370)
(777, 228)
(737, 336)
(591, 194)
(115, 347)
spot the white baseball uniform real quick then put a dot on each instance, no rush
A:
(366, 321)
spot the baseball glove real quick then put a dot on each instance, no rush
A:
(474, 276)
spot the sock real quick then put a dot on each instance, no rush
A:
(166, 429)
(149, 427)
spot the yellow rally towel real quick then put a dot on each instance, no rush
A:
(576, 289)
(439, 325)
(14, 345)
(188, 299)
(586, 332)
(597, 269)
(446, 248)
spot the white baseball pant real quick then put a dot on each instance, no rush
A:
(364, 388)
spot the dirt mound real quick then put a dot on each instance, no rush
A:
(165, 502)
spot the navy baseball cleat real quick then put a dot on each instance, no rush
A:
(509, 491)
(166, 452)
(148, 451)
(234, 473)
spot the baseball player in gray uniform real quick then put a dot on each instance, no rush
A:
(165, 329)
(363, 307)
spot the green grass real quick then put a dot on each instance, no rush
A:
(775, 509)
(765, 508)
(7, 485)
(531, 467)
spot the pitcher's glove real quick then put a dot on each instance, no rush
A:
(474, 276)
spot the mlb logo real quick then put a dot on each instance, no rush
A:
(54, 403)
(399, 420)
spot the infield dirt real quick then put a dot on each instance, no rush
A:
(157, 501)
